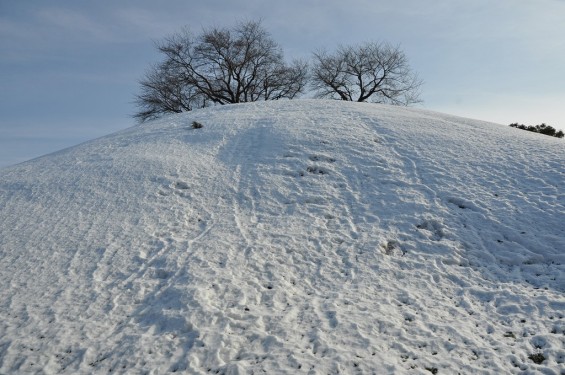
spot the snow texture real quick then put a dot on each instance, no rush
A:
(290, 237)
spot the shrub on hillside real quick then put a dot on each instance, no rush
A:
(542, 129)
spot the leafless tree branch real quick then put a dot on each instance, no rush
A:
(220, 66)
(376, 72)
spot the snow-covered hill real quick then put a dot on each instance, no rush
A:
(314, 237)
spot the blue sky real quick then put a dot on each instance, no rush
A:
(69, 70)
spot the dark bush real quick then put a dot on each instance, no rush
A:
(537, 358)
(542, 129)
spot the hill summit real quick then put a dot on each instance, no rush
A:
(306, 236)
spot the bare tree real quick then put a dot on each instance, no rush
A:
(220, 66)
(375, 72)
(164, 91)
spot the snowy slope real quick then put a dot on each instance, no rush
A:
(314, 237)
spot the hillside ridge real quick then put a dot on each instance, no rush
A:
(304, 236)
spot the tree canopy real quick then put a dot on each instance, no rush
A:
(244, 64)
(371, 72)
(219, 66)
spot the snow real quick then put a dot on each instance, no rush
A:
(305, 236)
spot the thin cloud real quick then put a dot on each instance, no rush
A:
(76, 23)
(145, 23)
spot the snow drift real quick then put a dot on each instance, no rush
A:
(305, 236)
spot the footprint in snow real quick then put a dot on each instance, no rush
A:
(316, 170)
(180, 185)
(177, 187)
(161, 274)
(322, 158)
(332, 318)
(464, 204)
(392, 248)
(434, 227)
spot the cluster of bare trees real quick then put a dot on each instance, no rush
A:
(244, 64)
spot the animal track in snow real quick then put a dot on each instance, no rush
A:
(316, 170)
(177, 187)
(322, 158)
(392, 248)
(464, 204)
(434, 227)
(332, 318)
(181, 185)
(312, 169)
(160, 273)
